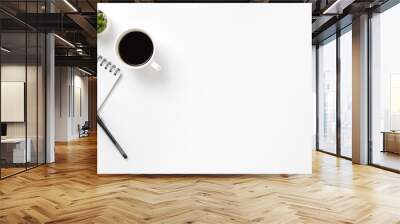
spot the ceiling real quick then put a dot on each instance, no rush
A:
(76, 22)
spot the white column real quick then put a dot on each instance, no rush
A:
(50, 100)
(360, 90)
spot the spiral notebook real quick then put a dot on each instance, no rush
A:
(108, 75)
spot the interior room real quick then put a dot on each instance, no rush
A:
(162, 111)
(22, 102)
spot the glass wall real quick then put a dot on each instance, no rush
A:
(385, 89)
(13, 88)
(327, 96)
(335, 94)
(346, 92)
(22, 90)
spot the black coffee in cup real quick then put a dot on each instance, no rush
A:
(135, 48)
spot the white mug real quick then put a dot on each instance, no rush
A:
(149, 60)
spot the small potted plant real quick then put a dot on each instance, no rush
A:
(102, 23)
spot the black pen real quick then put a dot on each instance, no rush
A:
(108, 133)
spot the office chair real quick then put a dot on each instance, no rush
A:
(84, 130)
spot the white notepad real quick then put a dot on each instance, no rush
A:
(108, 75)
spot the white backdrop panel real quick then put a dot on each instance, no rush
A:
(12, 101)
(234, 95)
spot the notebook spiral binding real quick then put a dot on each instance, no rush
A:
(108, 65)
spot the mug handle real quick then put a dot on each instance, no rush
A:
(156, 66)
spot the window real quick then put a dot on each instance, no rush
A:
(385, 89)
(327, 96)
(22, 77)
(346, 93)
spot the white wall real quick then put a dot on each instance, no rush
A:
(33, 127)
(81, 84)
(15, 72)
(12, 101)
(67, 117)
(234, 95)
(61, 97)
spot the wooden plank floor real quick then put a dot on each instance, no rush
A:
(70, 191)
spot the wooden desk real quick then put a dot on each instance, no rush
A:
(13, 150)
(391, 141)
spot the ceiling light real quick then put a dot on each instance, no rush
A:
(338, 6)
(5, 50)
(64, 40)
(70, 5)
(80, 51)
(84, 71)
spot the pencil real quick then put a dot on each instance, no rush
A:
(108, 133)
